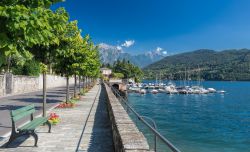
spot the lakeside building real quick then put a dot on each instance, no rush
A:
(106, 72)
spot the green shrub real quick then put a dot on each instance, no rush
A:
(118, 75)
(30, 68)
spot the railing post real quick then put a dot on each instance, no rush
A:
(154, 125)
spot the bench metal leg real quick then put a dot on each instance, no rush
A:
(33, 134)
(12, 137)
(49, 125)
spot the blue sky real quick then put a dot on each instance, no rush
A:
(172, 25)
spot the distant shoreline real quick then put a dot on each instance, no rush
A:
(202, 80)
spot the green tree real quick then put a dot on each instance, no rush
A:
(127, 69)
(30, 28)
(66, 54)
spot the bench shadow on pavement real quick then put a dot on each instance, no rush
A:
(101, 137)
(18, 143)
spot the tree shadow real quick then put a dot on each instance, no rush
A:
(37, 100)
(52, 96)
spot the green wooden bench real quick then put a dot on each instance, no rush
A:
(29, 128)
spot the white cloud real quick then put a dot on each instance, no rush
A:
(128, 43)
(118, 47)
(159, 49)
(106, 46)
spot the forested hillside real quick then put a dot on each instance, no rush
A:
(203, 64)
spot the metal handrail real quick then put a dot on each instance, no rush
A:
(163, 139)
(155, 127)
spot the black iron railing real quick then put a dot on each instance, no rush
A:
(153, 128)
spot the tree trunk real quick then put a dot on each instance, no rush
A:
(84, 82)
(8, 66)
(88, 82)
(67, 89)
(75, 87)
(79, 85)
(44, 93)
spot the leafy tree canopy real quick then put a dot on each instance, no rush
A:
(127, 69)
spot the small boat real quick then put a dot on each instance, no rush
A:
(182, 90)
(154, 91)
(211, 90)
(162, 90)
(134, 89)
(143, 91)
(204, 91)
(170, 89)
(221, 91)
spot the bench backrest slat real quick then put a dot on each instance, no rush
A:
(22, 112)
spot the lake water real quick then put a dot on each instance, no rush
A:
(201, 123)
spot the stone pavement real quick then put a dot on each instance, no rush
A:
(66, 136)
(98, 132)
(7, 103)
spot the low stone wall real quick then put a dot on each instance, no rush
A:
(126, 136)
(23, 84)
(2, 85)
(54, 81)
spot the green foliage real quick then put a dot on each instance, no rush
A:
(30, 68)
(127, 69)
(203, 64)
(30, 3)
(118, 75)
(29, 29)
(26, 26)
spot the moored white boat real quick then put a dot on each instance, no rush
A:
(162, 90)
(204, 91)
(211, 90)
(154, 91)
(221, 91)
(143, 91)
(170, 89)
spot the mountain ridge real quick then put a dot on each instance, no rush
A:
(232, 64)
(110, 54)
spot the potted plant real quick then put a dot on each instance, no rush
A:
(54, 118)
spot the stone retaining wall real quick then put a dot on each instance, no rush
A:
(23, 84)
(126, 136)
(2, 85)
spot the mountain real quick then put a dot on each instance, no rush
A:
(110, 54)
(203, 64)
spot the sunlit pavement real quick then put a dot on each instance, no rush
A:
(66, 136)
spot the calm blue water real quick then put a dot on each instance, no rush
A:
(201, 123)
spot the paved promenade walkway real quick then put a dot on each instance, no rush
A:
(7, 103)
(97, 133)
(80, 129)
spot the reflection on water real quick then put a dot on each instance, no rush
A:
(207, 123)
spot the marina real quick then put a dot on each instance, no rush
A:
(213, 122)
(171, 88)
